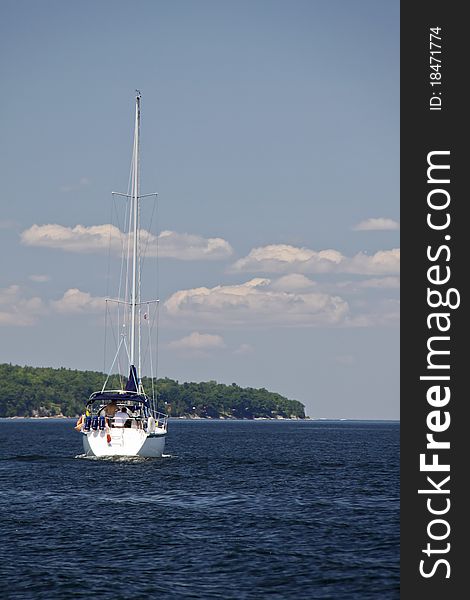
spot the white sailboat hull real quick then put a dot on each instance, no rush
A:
(124, 442)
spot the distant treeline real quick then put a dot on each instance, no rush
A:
(33, 391)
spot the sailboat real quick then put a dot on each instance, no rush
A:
(125, 421)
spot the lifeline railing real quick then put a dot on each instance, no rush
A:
(161, 419)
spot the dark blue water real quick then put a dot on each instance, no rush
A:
(239, 510)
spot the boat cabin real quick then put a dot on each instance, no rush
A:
(121, 409)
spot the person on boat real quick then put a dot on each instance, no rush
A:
(110, 409)
(79, 424)
(120, 417)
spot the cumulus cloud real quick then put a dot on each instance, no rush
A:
(187, 246)
(17, 309)
(297, 282)
(292, 283)
(377, 224)
(256, 302)
(198, 341)
(75, 301)
(73, 239)
(282, 258)
(98, 238)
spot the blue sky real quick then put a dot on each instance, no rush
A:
(270, 126)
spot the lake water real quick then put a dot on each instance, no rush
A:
(239, 510)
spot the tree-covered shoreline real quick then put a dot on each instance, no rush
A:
(43, 391)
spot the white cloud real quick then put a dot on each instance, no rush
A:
(73, 239)
(297, 282)
(17, 309)
(377, 224)
(75, 301)
(39, 278)
(282, 258)
(383, 262)
(98, 238)
(258, 302)
(198, 341)
(186, 246)
(293, 283)
(255, 302)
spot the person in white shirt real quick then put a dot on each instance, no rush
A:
(120, 417)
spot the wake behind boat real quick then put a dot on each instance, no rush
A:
(125, 421)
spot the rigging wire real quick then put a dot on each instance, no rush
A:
(153, 324)
(121, 329)
(144, 253)
(142, 256)
(125, 234)
(122, 318)
(157, 289)
(151, 361)
(105, 334)
(123, 339)
(156, 353)
(118, 346)
(107, 291)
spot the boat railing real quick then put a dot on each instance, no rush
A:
(161, 419)
(96, 409)
(95, 422)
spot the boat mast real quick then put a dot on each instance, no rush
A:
(132, 294)
(135, 216)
